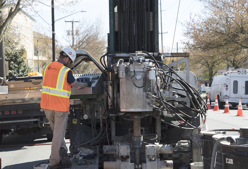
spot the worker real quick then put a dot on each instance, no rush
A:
(56, 89)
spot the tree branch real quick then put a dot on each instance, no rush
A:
(12, 13)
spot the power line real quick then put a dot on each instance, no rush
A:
(175, 25)
(50, 5)
(171, 6)
(42, 18)
(183, 16)
(189, 11)
(44, 4)
(187, 8)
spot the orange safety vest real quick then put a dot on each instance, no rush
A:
(56, 90)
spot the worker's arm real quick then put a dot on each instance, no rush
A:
(74, 83)
(79, 85)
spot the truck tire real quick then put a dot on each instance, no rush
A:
(221, 104)
(49, 136)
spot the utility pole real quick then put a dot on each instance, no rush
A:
(161, 22)
(2, 60)
(72, 32)
(53, 30)
(177, 57)
(53, 27)
(38, 57)
(2, 55)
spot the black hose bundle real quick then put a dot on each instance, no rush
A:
(198, 106)
(168, 76)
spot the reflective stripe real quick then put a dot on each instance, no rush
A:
(66, 72)
(55, 92)
(56, 89)
(61, 77)
(44, 70)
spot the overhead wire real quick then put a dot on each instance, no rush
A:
(175, 25)
(170, 7)
(183, 15)
(43, 19)
(186, 10)
(44, 4)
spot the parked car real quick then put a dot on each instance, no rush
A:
(204, 88)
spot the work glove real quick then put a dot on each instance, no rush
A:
(89, 83)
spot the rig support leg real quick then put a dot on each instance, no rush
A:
(137, 142)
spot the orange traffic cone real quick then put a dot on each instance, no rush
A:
(226, 107)
(216, 106)
(208, 104)
(240, 110)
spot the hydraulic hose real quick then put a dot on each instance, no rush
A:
(99, 134)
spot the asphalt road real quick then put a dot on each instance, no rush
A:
(23, 152)
(221, 120)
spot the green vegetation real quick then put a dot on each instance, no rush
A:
(13, 53)
(17, 65)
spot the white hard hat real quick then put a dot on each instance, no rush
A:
(71, 53)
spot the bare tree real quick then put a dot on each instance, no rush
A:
(42, 47)
(89, 37)
(14, 6)
(219, 36)
(5, 21)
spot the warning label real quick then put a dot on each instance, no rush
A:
(229, 161)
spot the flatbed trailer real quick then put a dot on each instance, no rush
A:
(20, 108)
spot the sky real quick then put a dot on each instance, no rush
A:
(98, 9)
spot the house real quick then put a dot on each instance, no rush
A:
(42, 50)
(22, 24)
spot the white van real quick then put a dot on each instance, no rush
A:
(230, 85)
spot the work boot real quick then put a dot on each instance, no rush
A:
(64, 158)
(57, 166)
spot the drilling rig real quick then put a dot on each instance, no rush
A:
(139, 112)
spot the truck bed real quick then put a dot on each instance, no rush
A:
(20, 107)
(22, 91)
(27, 96)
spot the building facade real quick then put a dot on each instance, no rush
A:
(23, 26)
(22, 29)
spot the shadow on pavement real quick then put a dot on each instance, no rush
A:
(29, 165)
(8, 148)
(17, 142)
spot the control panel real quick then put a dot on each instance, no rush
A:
(96, 86)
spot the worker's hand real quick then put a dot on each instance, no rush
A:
(79, 85)
(89, 83)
